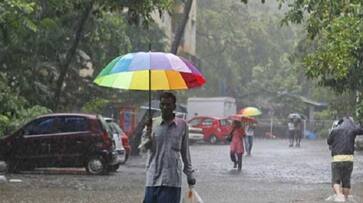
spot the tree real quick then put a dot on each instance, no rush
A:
(245, 54)
(180, 30)
(333, 50)
(45, 44)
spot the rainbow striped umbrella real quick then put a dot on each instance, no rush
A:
(150, 71)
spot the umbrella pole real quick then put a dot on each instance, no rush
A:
(150, 117)
(150, 95)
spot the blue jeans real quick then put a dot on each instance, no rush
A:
(248, 143)
(162, 194)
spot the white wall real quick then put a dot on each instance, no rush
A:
(214, 106)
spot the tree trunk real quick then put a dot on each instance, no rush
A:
(70, 54)
(180, 31)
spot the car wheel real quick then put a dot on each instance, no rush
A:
(213, 139)
(13, 166)
(114, 168)
(125, 158)
(27, 166)
(96, 165)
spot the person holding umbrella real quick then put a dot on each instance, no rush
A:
(341, 142)
(167, 139)
(295, 129)
(168, 145)
(236, 146)
(250, 132)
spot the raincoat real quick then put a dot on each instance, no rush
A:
(341, 138)
(236, 145)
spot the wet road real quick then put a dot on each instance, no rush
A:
(274, 173)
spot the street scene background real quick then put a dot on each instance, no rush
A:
(282, 57)
(274, 173)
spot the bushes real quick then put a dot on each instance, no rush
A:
(14, 110)
(10, 123)
(95, 106)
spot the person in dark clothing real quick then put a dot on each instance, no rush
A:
(299, 128)
(291, 129)
(296, 131)
(341, 142)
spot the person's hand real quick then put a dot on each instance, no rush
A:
(191, 181)
(149, 124)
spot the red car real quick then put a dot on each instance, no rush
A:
(214, 129)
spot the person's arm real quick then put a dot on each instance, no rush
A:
(146, 141)
(185, 154)
(358, 131)
(331, 137)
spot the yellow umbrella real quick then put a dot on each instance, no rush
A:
(250, 111)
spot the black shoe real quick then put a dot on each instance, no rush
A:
(235, 165)
(291, 145)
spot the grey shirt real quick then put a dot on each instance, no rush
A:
(168, 147)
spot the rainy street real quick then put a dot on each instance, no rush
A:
(274, 173)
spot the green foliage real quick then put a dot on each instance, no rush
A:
(245, 54)
(25, 115)
(335, 60)
(14, 110)
(333, 50)
(335, 28)
(17, 14)
(35, 37)
(95, 106)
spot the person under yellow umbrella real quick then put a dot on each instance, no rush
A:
(250, 127)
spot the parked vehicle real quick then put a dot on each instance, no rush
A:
(62, 140)
(195, 134)
(211, 106)
(214, 129)
(123, 139)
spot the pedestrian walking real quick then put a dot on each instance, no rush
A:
(236, 147)
(250, 132)
(341, 141)
(167, 142)
(292, 131)
(299, 131)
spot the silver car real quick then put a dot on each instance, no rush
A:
(195, 134)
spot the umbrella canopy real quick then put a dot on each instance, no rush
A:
(295, 116)
(244, 119)
(150, 71)
(250, 111)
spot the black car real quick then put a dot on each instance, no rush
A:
(61, 140)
